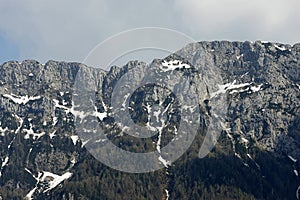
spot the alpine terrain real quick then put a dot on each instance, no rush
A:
(248, 96)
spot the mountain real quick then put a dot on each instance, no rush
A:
(247, 99)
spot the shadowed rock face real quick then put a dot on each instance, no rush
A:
(40, 148)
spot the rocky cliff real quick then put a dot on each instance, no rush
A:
(258, 84)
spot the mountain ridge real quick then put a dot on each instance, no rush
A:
(260, 81)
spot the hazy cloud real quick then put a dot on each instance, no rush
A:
(68, 29)
(274, 20)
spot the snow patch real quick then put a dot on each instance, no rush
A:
(21, 99)
(2, 131)
(56, 179)
(79, 114)
(55, 120)
(5, 161)
(164, 161)
(73, 161)
(173, 64)
(74, 138)
(51, 135)
(53, 180)
(228, 86)
(281, 48)
(256, 88)
(30, 194)
(235, 88)
(30, 132)
(239, 56)
(264, 42)
(84, 143)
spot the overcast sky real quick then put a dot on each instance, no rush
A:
(68, 29)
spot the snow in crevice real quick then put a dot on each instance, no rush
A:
(296, 172)
(57, 179)
(159, 136)
(238, 155)
(239, 56)
(52, 180)
(244, 74)
(75, 139)
(292, 159)
(4, 163)
(249, 156)
(21, 99)
(51, 135)
(20, 121)
(164, 161)
(3, 130)
(173, 64)
(156, 115)
(80, 114)
(84, 143)
(246, 165)
(257, 165)
(256, 88)
(148, 107)
(244, 140)
(124, 102)
(30, 132)
(158, 144)
(6, 159)
(167, 194)
(29, 195)
(236, 88)
(281, 48)
(55, 120)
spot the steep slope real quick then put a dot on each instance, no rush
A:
(43, 157)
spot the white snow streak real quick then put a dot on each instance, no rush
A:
(53, 180)
(282, 48)
(293, 159)
(21, 99)
(167, 194)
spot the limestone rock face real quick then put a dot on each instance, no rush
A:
(258, 83)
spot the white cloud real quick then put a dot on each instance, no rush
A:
(274, 20)
(68, 29)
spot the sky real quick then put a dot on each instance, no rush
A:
(67, 30)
